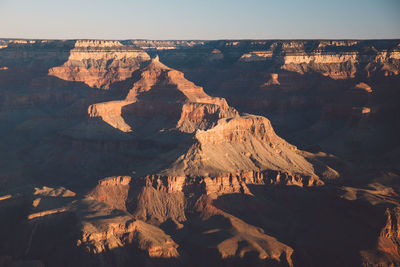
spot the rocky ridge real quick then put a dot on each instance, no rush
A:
(163, 90)
(188, 174)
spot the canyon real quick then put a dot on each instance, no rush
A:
(199, 153)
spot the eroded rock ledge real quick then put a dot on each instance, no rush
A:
(120, 190)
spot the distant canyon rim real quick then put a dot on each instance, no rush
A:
(199, 153)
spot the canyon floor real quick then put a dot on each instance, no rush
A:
(199, 153)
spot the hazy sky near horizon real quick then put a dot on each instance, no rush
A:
(200, 19)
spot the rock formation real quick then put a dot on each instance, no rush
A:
(161, 90)
(273, 80)
(158, 169)
(99, 63)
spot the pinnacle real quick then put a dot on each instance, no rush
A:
(155, 61)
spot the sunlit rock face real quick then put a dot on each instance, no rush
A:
(99, 63)
(336, 60)
(161, 90)
(213, 153)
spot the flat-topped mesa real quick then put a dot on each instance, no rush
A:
(99, 63)
(334, 59)
(336, 66)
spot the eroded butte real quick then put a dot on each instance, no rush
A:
(199, 153)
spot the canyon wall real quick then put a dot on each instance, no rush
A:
(145, 152)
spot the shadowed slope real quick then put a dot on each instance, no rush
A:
(161, 90)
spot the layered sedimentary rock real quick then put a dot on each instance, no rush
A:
(86, 226)
(333, 65)
(240, 143)
(327, 64)
(163, 200)
(385, 249)
(161, 90)
(337, 60)
(224, 141)
(164, 45)
(113, 190)
(192, 179)
(228, 153)
(111, 113)
(118, 230)
(99, 63)
(315, 102)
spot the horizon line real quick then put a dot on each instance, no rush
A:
(222, 39)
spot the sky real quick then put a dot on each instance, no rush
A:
(200, 19)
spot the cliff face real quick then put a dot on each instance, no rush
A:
(310, 90)
(99, 63)
(89, 232)
(163, 200)
(241, 143)
(229, 142)
(334, 65)
(161, 90)
(390, 234)
(192, 177)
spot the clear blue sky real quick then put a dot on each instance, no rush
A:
(199, 19)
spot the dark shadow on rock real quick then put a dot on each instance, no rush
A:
(198, 241)
(323, 229)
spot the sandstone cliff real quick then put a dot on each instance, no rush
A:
(161, 90)
(191, 179)
(99, 63)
